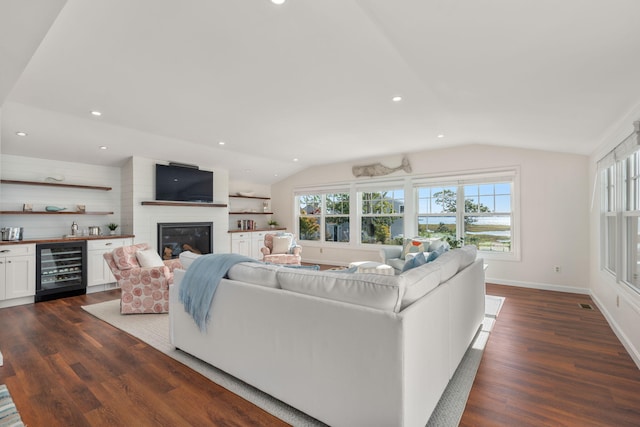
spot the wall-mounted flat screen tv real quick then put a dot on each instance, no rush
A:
(183, 184)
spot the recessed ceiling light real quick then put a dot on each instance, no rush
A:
(396, 99)
(441, 135)
(221, 143)
(103, 147)
(21, 133)
(278, 2)
(275, 174)
(96, 113)
(295, 159)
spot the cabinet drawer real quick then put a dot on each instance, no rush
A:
(13, 250)
(240, 236)
(107, 243)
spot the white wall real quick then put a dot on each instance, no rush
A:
(38, 226)
(143, 220)
(617, 301)
(554, 200)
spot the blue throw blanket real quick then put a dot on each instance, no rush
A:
(201, 281)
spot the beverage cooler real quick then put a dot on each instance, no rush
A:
(61, 270)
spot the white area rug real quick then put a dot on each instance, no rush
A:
(153, 329)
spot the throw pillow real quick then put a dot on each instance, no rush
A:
(435, 254)
(293, 240)
(149, 258)
(412, 246)
(414, 262)
(281, 244)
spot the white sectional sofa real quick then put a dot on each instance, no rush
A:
(346, 349)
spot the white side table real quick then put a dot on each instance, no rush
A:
(373, 267)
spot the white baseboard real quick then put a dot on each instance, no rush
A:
(633, 352)
(542, 286)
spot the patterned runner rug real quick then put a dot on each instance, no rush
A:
(9, 416)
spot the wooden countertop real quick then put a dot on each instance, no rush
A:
(257, 229)
(64, 239)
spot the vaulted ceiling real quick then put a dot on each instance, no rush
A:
(311, 80)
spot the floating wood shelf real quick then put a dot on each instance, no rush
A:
(55, 184)
(53, 213)
(249, 197)
(250, 213)
(201, 205)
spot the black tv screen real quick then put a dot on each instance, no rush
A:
(183, 184)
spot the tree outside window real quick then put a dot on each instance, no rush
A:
(479, 214)
(310, 206)
(336, 216)
(382, 219)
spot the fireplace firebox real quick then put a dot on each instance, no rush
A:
(176, 237)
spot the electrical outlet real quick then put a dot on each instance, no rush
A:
(617, 300)
(321, 250)
(556, 268)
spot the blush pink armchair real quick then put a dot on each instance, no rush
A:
(143, 289)
(276, 250)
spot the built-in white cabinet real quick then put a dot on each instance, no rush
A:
(98, 272)
(248, 243)
(17, 271)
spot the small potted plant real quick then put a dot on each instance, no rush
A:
(112, 228)
(272, 223)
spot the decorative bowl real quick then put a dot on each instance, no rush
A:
(53, 209)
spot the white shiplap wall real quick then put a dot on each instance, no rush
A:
(40, 226)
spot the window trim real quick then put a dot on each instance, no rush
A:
(409, 184)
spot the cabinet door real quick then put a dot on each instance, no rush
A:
(241, 244)
(3, 281)
(257, 242)
(98, 271)
(20, 276)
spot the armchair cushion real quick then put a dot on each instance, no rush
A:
(281, 244)
(149, 258)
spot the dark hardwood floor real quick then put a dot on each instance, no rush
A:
(547, 363)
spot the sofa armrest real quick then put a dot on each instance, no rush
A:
(265, 250)
(390, 252)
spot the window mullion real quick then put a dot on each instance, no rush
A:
(460, 212)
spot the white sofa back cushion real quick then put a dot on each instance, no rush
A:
(370, 290)
(468, 254)
(255, 273)
(186, 258)
(418, 282)
(449, 263)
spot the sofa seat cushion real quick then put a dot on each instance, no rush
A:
(369, 290)
(255, 273)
